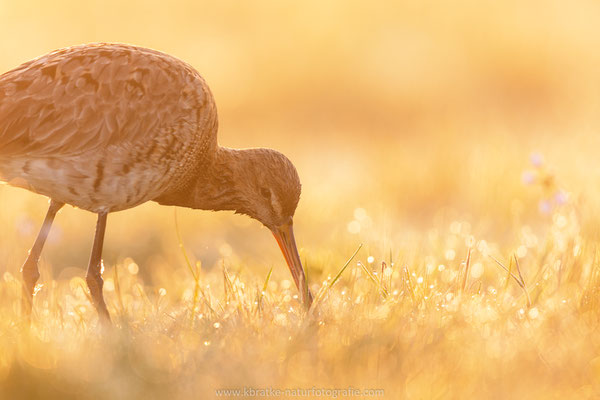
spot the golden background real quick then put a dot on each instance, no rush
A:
(400, 108)
(404, 119)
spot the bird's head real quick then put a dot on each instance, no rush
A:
(270, 190)
(260, 183)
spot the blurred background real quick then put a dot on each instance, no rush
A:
(419, 128)
(400, 116)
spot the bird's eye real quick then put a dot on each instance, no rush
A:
(266, 193)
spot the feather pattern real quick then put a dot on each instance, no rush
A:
(106, 127)
(81, 114)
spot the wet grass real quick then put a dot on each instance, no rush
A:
(412, 126)
(446, 312)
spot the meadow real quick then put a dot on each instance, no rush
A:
(448, 220)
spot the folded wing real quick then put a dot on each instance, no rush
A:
(86, 98)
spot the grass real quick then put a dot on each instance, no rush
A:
(445, 314)
(411, 124)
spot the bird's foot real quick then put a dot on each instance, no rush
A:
(95, 284)
(31, 274)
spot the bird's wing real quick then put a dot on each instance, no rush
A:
(90, 97)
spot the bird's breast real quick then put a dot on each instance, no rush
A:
(116, 178)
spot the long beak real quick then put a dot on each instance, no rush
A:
(284, 235)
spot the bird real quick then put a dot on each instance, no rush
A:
(105, 127)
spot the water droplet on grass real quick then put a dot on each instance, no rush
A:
(133, 268)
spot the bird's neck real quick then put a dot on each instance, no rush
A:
(216, 187)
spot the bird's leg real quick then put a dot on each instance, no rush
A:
(94, 272)
(30, 269)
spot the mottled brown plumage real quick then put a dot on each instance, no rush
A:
(117, 124)
(105, 127)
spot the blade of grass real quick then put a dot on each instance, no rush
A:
(267, 279)
(409, 286)
(325, 289)
(196, 292)
(306, 288)
(519, 281)
(345, 266)
(375, 279)
(506, 269)
(467, 265)
(181, 246)
(264, 289)
(228, 284)
(522, 281)
(195, 274)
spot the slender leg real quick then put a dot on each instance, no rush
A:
(94, 272)
(30, 269)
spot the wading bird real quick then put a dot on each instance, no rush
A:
(106, 127)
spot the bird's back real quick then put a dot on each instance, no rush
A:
(97, 119)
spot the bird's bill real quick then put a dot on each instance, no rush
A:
(284, 235)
